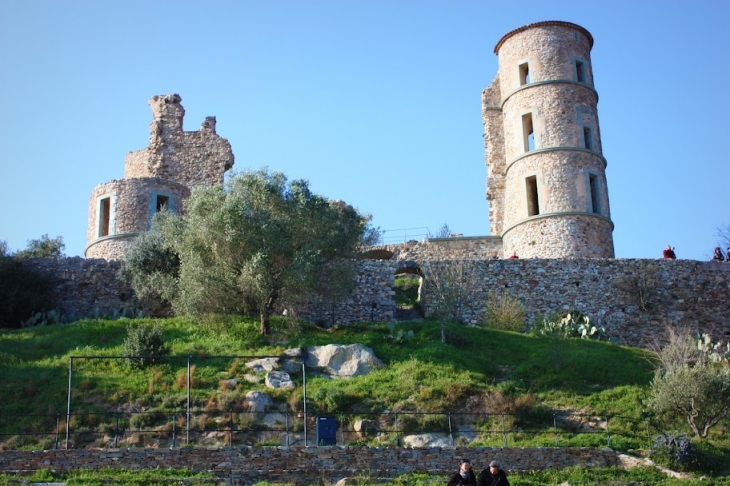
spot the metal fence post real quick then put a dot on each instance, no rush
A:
(504, 434)
(304, 399)
(451, 433)
(230, 424)
(397, 434)
(68, 407)
(116, 430)
(58, 422)
(608, 435)
(286, 417)
(342, 429)
(187, 416)
(555, 427)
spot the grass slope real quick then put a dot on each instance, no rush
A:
(477, 370)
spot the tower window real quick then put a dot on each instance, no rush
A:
(533, 202)
(104, 216)
(528, 132)
(593, 186)
(587, 138)
(524, 74)
(162, 202)
(580, 71)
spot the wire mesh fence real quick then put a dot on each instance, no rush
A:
(201, 428)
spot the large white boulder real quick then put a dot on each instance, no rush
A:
(258, 401)
(427, 440)
(263, 364)
(279, 380)
(343, 360)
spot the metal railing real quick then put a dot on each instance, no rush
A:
(402, 235)
(204, 428)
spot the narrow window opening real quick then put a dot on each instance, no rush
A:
(529, 134)
(533, 203)
(524, 74)
(162, 202)
(587, 138)
(104, 216)
(580, 71)
(593, 183)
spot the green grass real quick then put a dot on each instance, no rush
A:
(642, 475)
(480, 370)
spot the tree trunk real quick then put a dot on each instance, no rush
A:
(265, 327)
(266, 310)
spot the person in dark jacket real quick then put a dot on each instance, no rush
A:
(464, 476)
(493, 476)
(718, 255)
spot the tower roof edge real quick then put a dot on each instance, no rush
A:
(542, 24)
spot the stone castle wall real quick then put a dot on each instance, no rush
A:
(87, 287)
(634, 300)
(189, 158)
(307, 465)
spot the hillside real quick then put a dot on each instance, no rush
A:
(480, 371)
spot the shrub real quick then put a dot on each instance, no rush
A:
(573, 324)
(505, 312)
(144, 344)
(44, 247)
(24, 292)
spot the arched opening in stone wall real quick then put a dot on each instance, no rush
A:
(408, 286)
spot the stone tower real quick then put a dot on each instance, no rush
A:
(546, 183)
(158, 176)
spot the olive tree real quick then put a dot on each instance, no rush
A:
(688, 386)
(254, 243)
(44, 247)
(451, 286)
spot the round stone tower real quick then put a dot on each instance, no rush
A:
(546, 185)
(158, 177)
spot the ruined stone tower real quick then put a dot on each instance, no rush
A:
(546, 184)
(158, 176)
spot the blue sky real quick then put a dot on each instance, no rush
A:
(374, 102)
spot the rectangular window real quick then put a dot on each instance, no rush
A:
(587, 138)
(533, 202)
(162, 203)
(524, 74)
(593, 185)
(104, 216)
(580, 71)
(528, 132)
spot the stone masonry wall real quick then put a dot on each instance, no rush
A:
(86, 287)
(306, 465)
(189, 158)
(612, 292)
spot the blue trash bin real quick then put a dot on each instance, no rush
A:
(326, 431)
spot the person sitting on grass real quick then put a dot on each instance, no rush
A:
(464, 476)
(493, 476)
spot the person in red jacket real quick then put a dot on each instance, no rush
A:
(669, 253)
(514, 256)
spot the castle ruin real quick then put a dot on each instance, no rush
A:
(159, 176)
